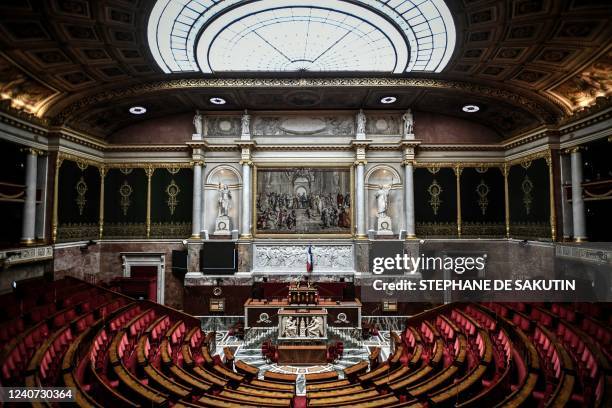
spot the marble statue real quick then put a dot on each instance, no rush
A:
(314, 328)
(382, 199)
(408, 119)
(290, 328)
(361, 122)
(222, 223)
(224, 200)
(246, 122)
(382, 203)
(197, 122)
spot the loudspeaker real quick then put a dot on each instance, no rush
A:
(234, 235)
(179, 262)
(371, 234)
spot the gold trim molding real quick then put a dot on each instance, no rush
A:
(371, 82)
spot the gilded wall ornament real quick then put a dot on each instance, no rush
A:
(126, 171)
(433, 169)
(173, 170)
(482, 189)
(527, 187)
(81, 188)
(172, 190)
(126, 192)
(434, 190)
(81, 165)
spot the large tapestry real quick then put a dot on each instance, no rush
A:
(303, 201)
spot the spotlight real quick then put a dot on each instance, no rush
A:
(217, 101)
(388, 99)
(138, 110)
(422, 241)
(470, 108)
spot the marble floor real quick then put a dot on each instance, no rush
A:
(350, 356)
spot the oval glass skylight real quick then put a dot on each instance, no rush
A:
(309, 35)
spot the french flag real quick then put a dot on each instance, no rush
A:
(309, 259)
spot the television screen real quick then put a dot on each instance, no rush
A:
(218, 258)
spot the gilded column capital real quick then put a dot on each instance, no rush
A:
(197, 163)
(407, 162)
(247, 162)
(576, 149)
(360, 162)
(149, 171)
(103, 171)
(34, 151)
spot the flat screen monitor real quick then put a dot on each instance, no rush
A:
(218, 258)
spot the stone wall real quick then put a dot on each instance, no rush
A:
(104, 261)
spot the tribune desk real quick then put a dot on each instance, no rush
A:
(264, 313)
(302, 354)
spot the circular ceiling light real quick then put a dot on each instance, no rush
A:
(388, 99)
(470, 108)
(218, 101)
(138, 110)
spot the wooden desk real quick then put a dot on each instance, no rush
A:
(302, 354)
(270, 375)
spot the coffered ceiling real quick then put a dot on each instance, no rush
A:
(81, 64)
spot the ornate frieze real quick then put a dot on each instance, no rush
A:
(170, 229)
(298, 125)
(77, 231)
(288, 258)
(601, 256)
(530, 229)
(125, 230)
(383, 125)
(442, 229)
(24, 255)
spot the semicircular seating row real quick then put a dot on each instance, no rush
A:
(116, 351)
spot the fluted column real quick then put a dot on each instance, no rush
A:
(245, 222)
(566, 205)
(577, 201)
(360, 198)
(409, 199)
(203, 206)
(197, 199)
(408, 147)
(28, 234)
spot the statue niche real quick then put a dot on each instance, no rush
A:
(222, 223)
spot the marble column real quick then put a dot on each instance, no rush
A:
(360, 199)
(577, 201)
(203, 207)
(245, 222)
(28, 234)
(197, 200)
(409, 199)
(566, 206)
